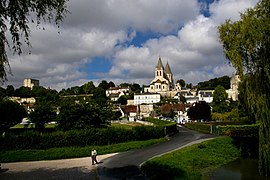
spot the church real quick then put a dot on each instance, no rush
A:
(163, 81)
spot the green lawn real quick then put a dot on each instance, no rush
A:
(72, 152)
(194, 162)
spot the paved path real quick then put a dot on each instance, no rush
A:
(79, 168)
(126, 165)
(115, 166)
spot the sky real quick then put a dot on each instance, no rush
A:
(121, 41)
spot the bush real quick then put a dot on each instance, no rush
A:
(92, 136)
(239, 130)
(200, 127)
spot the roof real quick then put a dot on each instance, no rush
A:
(168, 69)
(175, 107)
(159, 64)
(129, 109)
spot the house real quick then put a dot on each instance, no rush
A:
(180, 110)
(129, 111)
(114, 93)
(146, 98)
(206, 95)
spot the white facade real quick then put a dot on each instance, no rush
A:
(206, 95)
(146, 98)
(30, 83)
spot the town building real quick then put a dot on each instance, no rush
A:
(114, 93)
(146, 98)
(30, 83)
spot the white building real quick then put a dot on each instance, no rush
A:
(30, 83)
(146, 98)
(115, 92)
(206, 95)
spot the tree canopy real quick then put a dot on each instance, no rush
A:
(246, 44)
(11, 114)
(15, 16)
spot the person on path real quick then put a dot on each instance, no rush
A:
(94, 156)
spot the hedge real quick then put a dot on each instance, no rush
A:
(169, 127)
(93, 136)
(239, 130)
(200, 127)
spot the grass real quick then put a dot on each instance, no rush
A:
(194, 162)
(72, 152)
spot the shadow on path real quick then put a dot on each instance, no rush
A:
(45, 173)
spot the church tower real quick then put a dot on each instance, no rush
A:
(159, 71)
(168, 73)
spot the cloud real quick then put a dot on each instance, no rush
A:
(185, 38)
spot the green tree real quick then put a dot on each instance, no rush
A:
(88, 87)
(104, 85)
(2, 92)
(83, 116)
(246, 44)
(11, 114)
(23, 92)
(122, 100)
(15, 16)
(220, 97)
(42, 114)
(10, 91)
(181, 82)
(200, 111)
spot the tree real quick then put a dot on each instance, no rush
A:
(15, 16)
(83, 116)
(111, 84)
(122, 100)
(11, 114)
(104, 85)
(219, 100)
(181, 82)
(88, 87)
(246, 44)
(200, 111)
(10, 91)
(42, 114)
(23, 92)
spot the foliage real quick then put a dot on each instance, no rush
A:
(72, 152)
(239, 130)
(213, 83)
(200, 111)
(83, 115)
(11, 114)
(194, 162)
(220, 97)
(30, 139)
(15, 17)
(246, 44)
(200, 127)
(42, 114)
(122, 100)
(181, 82)
(228, 116)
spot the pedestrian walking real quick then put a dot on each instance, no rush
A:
(94, 156)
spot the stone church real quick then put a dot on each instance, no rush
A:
(163, 81)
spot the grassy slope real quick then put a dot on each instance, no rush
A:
(194, 162)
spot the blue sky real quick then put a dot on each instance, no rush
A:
(121, 41)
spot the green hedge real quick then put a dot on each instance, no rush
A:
(239, 130)
(200, 127)
(169, 127)
(104, 136)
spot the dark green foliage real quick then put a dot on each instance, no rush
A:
(200, 127)
(246, 44)
(92, 136)
(200, 111)
(42, 114)
(11, 113)
(83, 115)
(213, 83)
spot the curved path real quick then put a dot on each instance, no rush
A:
(126, 165)
(115, 166)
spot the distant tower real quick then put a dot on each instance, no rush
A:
(168, 73)
(30, 83)
(159, 69)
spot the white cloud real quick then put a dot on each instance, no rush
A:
(104, 28)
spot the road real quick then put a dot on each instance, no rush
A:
(126, 165)
(115, 166)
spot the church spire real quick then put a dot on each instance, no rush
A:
(159, 64)
(168, 69)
